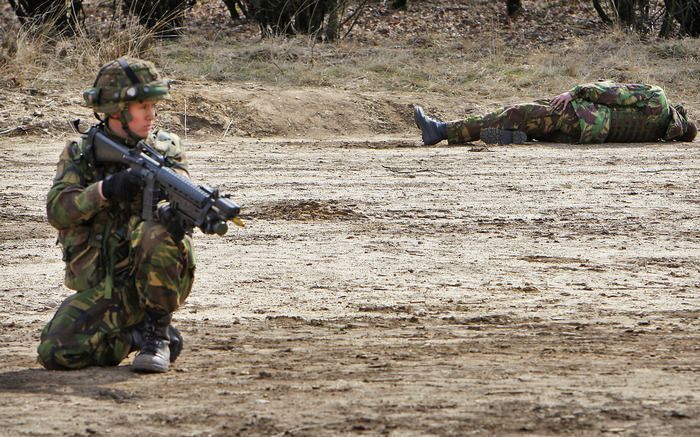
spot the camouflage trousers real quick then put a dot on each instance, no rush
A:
(538, 120)
(90, 329)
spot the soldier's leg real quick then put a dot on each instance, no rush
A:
(537, 120)
(568, 126)
(465, 131)
(87, 330)
(163, 269)
(163, 277)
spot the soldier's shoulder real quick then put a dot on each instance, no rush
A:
(165, 141)
(75, 149)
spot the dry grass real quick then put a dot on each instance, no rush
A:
(34, 56)
(485, 66)
(440, 65)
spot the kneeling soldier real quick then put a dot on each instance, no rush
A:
(129, 275)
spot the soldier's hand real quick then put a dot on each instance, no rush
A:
(121, 186)
(172, 221)
(559, 102)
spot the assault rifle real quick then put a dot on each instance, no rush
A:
(200, 206)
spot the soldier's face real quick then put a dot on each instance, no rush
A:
(143, 115)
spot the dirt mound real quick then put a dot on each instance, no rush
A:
(216, 110)
(305, 210)
(257, 110)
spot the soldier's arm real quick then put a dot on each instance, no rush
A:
(614, 94)
(71, 201)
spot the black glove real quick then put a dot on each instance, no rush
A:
(172, 221)
(121, 186)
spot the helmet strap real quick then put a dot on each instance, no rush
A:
(125, 118)
(100, 119)
(124, 115)
(129, 72)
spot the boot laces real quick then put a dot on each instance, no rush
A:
(152, 342)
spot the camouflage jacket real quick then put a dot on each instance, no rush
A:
(593, 103)
(93, 232)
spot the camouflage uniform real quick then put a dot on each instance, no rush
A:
(538, 120)
(120, 266)
(599, 112)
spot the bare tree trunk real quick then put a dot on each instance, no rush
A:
(166, 17)
(64, 18)
(319, 18)
(513, 7)
(625, 11)
(232, 10)
(333, 25)
(308, 17)
(687, 14)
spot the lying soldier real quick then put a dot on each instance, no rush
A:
(589, 113)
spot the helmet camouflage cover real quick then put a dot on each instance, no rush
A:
(124, 80)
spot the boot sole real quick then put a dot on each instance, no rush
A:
(494, 135)
(149, 364)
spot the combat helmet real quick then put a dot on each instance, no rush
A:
(122, 81)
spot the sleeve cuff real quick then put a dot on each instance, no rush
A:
(94, 196)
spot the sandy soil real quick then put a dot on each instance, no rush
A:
(381, 287)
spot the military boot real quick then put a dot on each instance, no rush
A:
(176, 342)
(154, 356)
(432, 131)
(174, 336)
(494, 135)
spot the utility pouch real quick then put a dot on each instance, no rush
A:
(81, 253)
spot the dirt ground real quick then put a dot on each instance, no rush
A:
(385, 288)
